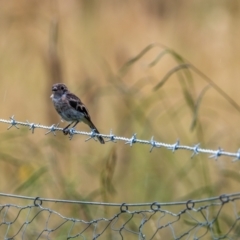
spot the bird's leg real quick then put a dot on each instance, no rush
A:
(75, 124)
(65, 130)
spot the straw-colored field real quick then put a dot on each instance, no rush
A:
(87, 45)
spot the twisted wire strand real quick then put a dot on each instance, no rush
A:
(131, 141)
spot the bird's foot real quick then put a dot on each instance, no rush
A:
(70, 131)
(65, 131)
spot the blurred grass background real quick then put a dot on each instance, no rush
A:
(88, 45)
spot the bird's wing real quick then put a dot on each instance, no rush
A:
(77, 104)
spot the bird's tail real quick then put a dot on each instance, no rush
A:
(100, 138)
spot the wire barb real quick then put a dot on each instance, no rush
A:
(92, 135)
(71, 132)
(52, 129)
(237, 156)
(217, 154)
(111, 137)
(175, 146)
(13, 123)
(132, 140)
(153, 144)
(195, 150)
(32, 126)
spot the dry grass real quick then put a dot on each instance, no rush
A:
(85, 44)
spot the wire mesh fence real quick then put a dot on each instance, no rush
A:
(212, 218)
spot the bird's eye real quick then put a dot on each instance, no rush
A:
(62, 88)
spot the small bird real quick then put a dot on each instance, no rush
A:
(71, 108)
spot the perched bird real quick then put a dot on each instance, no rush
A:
(71, 108)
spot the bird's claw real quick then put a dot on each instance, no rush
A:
(65, 131)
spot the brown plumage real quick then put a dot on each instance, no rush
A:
(71, 108)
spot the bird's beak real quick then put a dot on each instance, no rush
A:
(54, 89)
(51, 96)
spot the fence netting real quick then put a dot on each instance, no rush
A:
(39, 218)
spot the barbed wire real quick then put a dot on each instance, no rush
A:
(131, 141)
(210, 218)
